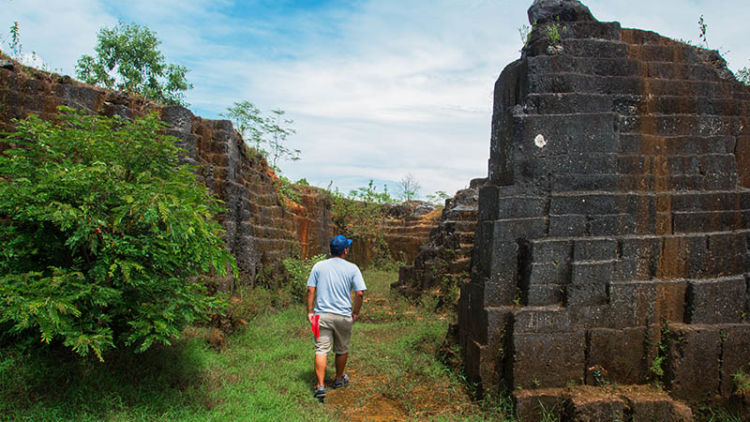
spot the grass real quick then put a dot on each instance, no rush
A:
(263, 373)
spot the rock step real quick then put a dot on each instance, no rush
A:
(576, 102)
(676, 145)
(611, 403)
(622, 66)
(562, 82)
(271, 232)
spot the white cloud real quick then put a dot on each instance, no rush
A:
(378, 88)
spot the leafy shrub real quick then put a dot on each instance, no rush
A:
(741, 382)
(299, 271)
(104, 234)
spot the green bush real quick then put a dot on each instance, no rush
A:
(104, 234)
(298, 271)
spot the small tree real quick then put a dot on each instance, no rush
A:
(409, 187)
(14, 42)
(249, 122)
(438, 197)
(127, 58)
(267, 134)
(278, 128)
(104, 234)
(743, 75)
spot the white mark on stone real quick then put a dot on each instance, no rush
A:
(540, 141)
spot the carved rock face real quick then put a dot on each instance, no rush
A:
(543, 11)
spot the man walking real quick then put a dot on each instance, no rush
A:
(329, 291)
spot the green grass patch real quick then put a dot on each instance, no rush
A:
(264, 372)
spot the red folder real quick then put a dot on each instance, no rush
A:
(315, 325)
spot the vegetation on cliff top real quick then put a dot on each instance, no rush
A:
(128, 58)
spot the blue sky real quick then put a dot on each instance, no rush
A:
(377, 89)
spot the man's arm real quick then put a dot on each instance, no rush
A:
(310, 303)
(358, 298)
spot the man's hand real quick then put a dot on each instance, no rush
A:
(310, 303)
(358, 299)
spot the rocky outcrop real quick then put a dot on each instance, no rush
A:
(443, 262)
(613, 231)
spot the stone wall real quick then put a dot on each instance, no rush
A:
(613, 233)
(403, 229)
(260, 226)
(443, 262)
(259, 230)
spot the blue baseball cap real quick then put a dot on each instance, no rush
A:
(339, 243)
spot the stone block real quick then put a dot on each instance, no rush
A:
(178, 117)
(706, 221)
(637, 303)
(646, 251)
(488, 202)
(550, 250)
(620, 352)
(594, 29)
(692, 363)
(498, 321)
(566, 133)
(472, 357)
(705, 201)
(547, 360)
(583, 163)
(567, 103)
(587, 204)
(650, 406)
(669, 301)
(589, 47)
(674, 255)
(534, 405)
(594, 249)
(595, 316)
(542, 319)
(625, 270)
(586, 295)
(716, 301)
(543, 273)
(592, 272)
(726, 254)
(574, 182)
(521, 207)
(550, 294)
(605, 225)
(567, 225)
(735, 355)
(595, 406)
(519, 228)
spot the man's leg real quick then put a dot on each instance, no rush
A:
(320, 367)
(341, 364)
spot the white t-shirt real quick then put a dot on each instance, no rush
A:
(334, 279)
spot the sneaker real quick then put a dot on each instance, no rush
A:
(320, 393)
(342, 382)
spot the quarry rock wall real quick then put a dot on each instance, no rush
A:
(445, 259)
(612, 235)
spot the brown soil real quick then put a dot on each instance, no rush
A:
(374, 396)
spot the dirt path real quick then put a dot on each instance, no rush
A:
(393, 367)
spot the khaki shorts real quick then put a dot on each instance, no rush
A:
(336, 329)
